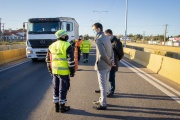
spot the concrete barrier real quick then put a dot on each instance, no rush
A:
(11, 55)
(23, 52)
(159, 52)
(1, 58)
(8, 55)
(140, 57)
(127, 52)
(170, 69)
(165, 66)
(155, 62)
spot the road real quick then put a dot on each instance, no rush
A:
(26, 93)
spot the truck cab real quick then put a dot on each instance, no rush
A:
(41, 34)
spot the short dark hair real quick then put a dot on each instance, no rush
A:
(109, 31)
(98, 25)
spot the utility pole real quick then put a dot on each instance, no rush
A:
(2, 32)
(100, 14)
(143, 36)
(165, 33)
(0, 24)
(126, 23)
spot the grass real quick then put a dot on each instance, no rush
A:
(5, 45)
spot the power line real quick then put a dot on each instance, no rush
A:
(11, 20)
(100, 14)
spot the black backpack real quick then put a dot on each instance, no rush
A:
(120, 52)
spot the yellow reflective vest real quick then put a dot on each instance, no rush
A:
(59, 57)
(85, 46)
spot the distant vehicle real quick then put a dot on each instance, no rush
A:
(127, 39)
(41, 33)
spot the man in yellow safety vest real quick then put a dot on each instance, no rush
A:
(85, 48)
(60, 62)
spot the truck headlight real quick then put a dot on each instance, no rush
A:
(29, 52)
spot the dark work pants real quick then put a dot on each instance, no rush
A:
(112, 81)
(85, 56)
(61, 85)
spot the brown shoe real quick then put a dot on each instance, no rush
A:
(109, 95)
(97, 91)
(99, 107)
(96, 102)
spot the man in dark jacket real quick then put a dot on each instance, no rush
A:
(118, 54)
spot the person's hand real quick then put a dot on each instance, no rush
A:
(51, 74)
(72, 74)
(113, 64)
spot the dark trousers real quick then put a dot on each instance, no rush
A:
(61, 85)
(112, 81)
(85, 56)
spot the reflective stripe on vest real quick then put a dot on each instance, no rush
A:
(63, 59)
(85, 46)
(60, 68)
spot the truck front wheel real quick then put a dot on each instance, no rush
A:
(34, 59)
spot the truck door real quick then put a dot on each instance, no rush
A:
(68, 26)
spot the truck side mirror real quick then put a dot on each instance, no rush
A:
(23, 26)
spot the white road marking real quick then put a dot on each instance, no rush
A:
(3, 69)
(155, 79)
(141, 74)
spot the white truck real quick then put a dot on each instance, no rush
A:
(41, 33)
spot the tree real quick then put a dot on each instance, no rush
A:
(160, 37)
(120, 36)
(138, 37)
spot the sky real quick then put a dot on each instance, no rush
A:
(146, 17)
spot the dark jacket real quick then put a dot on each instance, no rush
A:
(70, 58)
(117, 49)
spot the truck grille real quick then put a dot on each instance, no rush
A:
(41, 43)
(41, 54)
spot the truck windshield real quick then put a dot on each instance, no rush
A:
(43, 27)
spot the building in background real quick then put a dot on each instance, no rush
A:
(174, 39)
(127, 39)
(14, 34)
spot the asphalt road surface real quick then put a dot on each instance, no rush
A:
(26, 93)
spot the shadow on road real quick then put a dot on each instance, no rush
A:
(159, 111)
(22, 89)
(142, 96)
(129, 109)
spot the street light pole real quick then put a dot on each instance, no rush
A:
(126, 23)
(100, 14)
(165, 34)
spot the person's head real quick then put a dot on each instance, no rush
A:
(108, 32)
(80, 37)
(86, 37)
(97, 27)
(62, 35)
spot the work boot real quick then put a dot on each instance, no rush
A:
(57, 107)
(64, 108)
